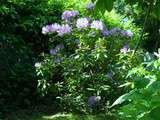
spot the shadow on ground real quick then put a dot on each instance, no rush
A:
(48, 113)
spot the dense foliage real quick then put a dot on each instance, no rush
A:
(82, 56)
(144, 98)
(20, 43)
(86, 61)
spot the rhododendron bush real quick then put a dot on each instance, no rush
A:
(84, 66)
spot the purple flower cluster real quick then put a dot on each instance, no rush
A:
(113, 31)
(90, 6)
(94, 101)
(64, 29)
(67, 15)
(127, 33)
(50, 28)
(55, 50)
(125, 49)
(117, 31)
(98, 25)
(106, 33)
(95, 24)
(60, 29)
(82, 23)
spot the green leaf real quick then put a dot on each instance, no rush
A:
(93, 0)
(105, 5)
(90, 89)
(155, 113)
(120, 100)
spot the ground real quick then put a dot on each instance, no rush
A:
(47, 113)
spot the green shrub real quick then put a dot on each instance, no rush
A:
(84, 62)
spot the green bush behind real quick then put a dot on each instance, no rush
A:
(20, 43)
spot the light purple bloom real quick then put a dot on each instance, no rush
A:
(89, 19)
(53, 51)
(46, 29)
(67, 15)
(114, 31)
(127, 33)
(55, 27)
(94, 101)
(105, 33)
(64, 29)
(90, 6)
(82, 23)
(98, 25)
(125, 49)
(50, 28)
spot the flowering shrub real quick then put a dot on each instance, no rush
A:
(83, 65)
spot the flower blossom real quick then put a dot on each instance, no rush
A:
(114, 31)
(67, 15)
(106, 33)
(90, 6)
(64, 29)
(125, 49)
(127, 33)
(53, 51)
(82, 23)
(98, 25)
(94, 101)
(50, 28)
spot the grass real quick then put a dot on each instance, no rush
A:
(45, 113)
(60, 116)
